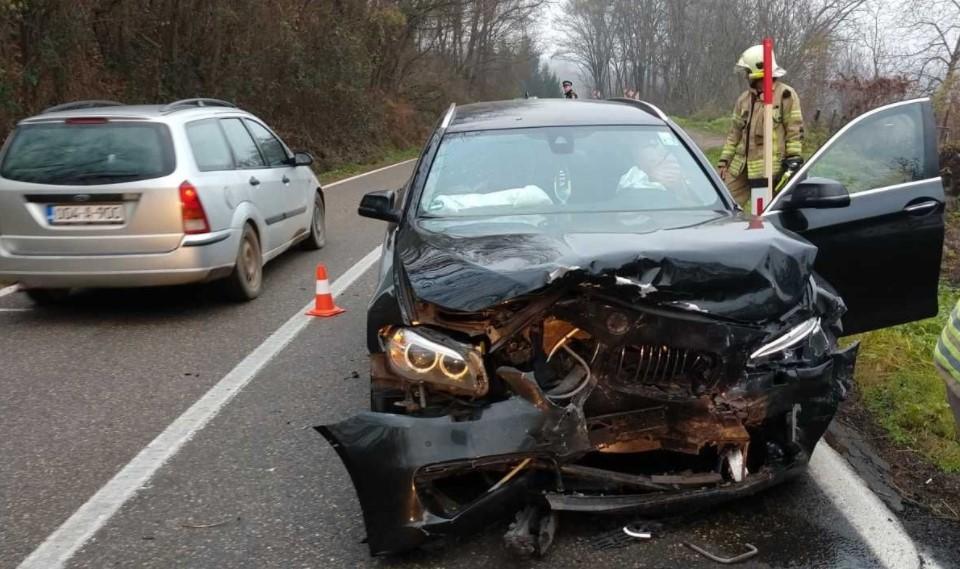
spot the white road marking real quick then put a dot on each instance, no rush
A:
(15, 309)
(60, 546)
(351, 178)
(8, 290)
(877, 526)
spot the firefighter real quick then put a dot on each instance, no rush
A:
(568, 91)
(946, 358)
(741, 161)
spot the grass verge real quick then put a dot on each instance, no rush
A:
(716, 125)
(347, 170)
(903, 391)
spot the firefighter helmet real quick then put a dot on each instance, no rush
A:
(752, 61)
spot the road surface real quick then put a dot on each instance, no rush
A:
(162, 428)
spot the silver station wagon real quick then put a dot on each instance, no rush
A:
(99, 194)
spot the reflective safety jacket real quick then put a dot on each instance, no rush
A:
(744, 145)
(947, 354)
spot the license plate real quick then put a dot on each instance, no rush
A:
(87, 214)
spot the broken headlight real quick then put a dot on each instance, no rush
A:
(807, 332)
(424, 356)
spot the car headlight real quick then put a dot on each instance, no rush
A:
(796, 335)
(425, 356)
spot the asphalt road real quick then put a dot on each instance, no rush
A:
(85, 388)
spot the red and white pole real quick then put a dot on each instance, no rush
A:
(767, 197)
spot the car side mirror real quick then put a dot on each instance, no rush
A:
(302, 159)
(817, 193)
(380, 205)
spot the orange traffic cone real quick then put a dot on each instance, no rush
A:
(324, 305)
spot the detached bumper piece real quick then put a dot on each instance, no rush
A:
(419, 478)
(392, 460)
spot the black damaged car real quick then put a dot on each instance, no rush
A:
(574, 315)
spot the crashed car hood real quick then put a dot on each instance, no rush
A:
(714, 262)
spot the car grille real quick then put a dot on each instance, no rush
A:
(668, 370)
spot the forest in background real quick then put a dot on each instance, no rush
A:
(344, 79)
(843, 56)
(348, 79)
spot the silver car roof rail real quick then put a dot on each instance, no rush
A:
(197, 102)
(78, 105)
(448, 116)
(643, 106)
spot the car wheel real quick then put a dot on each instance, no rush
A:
(246, 280)
(318, 226)
(47, 296)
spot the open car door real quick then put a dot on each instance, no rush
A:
(880, 248)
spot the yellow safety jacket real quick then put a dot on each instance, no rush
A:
(744, 145)
(947, 353)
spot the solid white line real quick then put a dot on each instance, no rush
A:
(877, 526)
(15, 309)
(60, 546)
(8, 290)
(351, 178)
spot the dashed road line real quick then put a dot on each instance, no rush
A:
(9, 290)
(351, 178)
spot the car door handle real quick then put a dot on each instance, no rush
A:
(922, 208)
(286, 180)
(254, 181)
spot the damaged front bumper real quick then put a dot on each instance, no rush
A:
(419, 478)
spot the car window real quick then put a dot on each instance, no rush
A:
(85, 152)
(273, 150)
(248, 156)
(881, 150)
(209, 146)
(564, 169)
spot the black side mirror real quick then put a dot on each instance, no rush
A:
(380, 205)
(816, 193)
(302, 159)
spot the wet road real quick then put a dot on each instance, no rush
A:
(87, 387)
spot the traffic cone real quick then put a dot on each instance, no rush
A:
(324, 305)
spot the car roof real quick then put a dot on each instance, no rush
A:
(529, 113)
(145, 112)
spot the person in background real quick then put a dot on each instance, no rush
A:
(946, 358)
(596, 94)
(741, 161)
(568, 91)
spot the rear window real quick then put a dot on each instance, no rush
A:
(209, 147)
(85, 154)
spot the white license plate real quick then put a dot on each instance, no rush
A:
(99, 213)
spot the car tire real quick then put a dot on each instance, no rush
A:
(318, 226)
(47, 296)
(246, 280)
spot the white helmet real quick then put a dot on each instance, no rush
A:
(752, 61)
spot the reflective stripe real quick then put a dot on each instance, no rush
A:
(323, 287)
(946, 360)
(947, 353)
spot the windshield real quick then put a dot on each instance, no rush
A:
(564, 170)
(83, 154)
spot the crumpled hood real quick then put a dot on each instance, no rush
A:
(719, 264)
